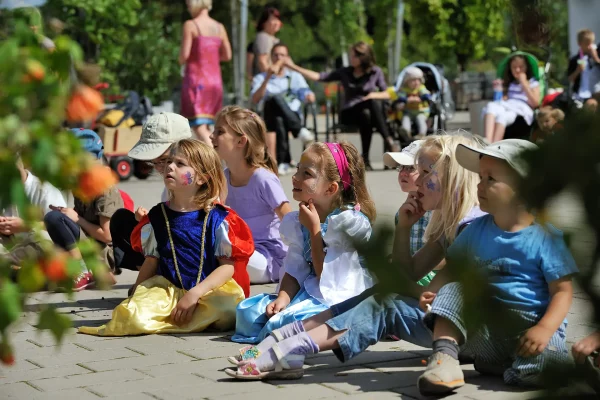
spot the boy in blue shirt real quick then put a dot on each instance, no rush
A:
(527, 265)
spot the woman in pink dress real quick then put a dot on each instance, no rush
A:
(204, 45)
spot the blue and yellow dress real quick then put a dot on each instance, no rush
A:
(188, 246)
(343, 274)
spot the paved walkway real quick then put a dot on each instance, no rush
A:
(189, 366)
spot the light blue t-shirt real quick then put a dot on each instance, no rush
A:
(519, 264)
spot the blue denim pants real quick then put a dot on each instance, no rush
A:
(368, 320)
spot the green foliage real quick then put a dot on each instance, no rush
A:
(10, 304)
(37, 87)
(135, 43)
(148, 63)
(460, 27)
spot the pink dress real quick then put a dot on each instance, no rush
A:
(202, 89)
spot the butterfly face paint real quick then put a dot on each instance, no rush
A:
(178, 173)
(187, 178)
(429, 184)
(308, 180)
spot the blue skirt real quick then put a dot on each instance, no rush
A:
(252, 324)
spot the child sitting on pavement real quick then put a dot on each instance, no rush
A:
(196, 251)
(39, 194)
(67, 226)
(404, 162)
(253, 188)
(527, 265)
(158, 135)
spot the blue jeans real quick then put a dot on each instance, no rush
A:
(62, 230)
(370, 320)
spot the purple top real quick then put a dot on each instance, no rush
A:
(256, 203)
(356, 88)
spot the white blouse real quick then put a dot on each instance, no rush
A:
(343, 275)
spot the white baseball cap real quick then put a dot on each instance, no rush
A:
(509, 150)
(404, 157)
(158, 133)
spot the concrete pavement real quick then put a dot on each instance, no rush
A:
(189, 366)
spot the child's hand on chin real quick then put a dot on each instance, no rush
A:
(534, 341)
(309, 217)
(411, 211)
(183, 312)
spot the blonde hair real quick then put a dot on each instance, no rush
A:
(548, 111)
(206, 163)
(357, 193)
(585, 34)
(244, 122)
(196, 6)
(459, 185)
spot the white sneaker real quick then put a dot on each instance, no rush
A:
(284, 169)
(306, 136)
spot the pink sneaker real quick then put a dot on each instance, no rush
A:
(83, 281)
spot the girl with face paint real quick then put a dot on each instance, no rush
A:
(349, 327)
(322, 267)
(196, 251)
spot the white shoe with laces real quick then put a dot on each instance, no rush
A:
(306, 136)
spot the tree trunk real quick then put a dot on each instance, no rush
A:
(531, 23)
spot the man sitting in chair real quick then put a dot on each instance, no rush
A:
(281, 93)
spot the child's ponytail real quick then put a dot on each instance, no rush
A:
(356, 194)
(269, 162)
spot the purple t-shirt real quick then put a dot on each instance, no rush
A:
(256, 203)
(356, 88)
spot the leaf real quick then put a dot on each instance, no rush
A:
(31, 278)
(10, 304)
(56, 323)
(17, 195)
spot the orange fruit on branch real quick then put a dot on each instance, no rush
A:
(95, 181)
(84, 105)
(55, 268)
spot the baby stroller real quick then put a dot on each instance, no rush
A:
(442, 107)
(520, 129)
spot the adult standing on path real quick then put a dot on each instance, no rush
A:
(268, 25)
(204, 45)
(359, 79)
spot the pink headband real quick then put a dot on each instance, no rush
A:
(342, 163)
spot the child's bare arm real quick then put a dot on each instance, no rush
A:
(535, 340)
(147, 271)
(215, 279)
(288, 290)
(317, 252)
(561, 293)
(419, 264)
(184, 311)
(99, 232)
